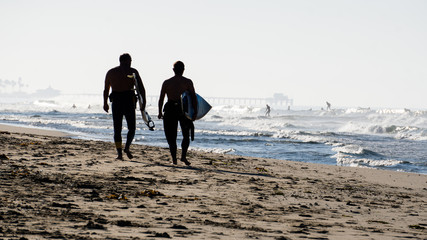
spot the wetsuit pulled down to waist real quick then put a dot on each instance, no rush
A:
(125, 97)
(172, 115)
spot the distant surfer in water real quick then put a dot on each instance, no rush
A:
(328, 106)
(267, 111)
(120, 80)
(172, 112)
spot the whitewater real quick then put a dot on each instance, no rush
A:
(391, 139)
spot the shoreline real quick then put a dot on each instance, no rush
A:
(32, 130)
(57, 133)
(71, 188)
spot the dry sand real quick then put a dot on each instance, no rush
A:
(62, 188)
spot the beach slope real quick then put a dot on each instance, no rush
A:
(59, 187)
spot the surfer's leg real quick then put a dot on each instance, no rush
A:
(131, 123)
(170, 125)
(185, 129)
(117, 123)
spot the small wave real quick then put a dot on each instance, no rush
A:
(393, 111)
(213, 150)
(363, 162)
(349, 149)
(233, 109)
(413, 130)
(306, 137)
(401, 132)
(355, 150)
(358, 110)
(391, 129)
(235, 133)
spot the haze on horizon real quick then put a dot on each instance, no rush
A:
(350, 53)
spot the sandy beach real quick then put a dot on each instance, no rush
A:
(57, 187)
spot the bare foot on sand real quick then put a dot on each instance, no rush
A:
(184, 160)
(127, 151)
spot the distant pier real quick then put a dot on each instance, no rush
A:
(278, 100)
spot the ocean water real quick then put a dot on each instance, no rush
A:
(391, 139)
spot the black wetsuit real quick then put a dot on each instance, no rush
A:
(172, 115)
(123, 105)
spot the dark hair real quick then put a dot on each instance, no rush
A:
(178, 67)
(125, 57)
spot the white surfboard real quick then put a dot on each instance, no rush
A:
(147, 120)
(203, 107)
(145, 116)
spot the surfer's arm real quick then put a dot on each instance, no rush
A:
(161, 99)
(107, 86)
(141, 90)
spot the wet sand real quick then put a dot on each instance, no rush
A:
(56, 187)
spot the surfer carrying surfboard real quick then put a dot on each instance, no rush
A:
(172, 112)
(121, 80)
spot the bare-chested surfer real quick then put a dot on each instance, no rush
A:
(122, 96)
(173, 113)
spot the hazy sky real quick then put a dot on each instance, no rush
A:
(367, 53)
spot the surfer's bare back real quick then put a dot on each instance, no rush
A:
(174, 87)
(120, 79)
